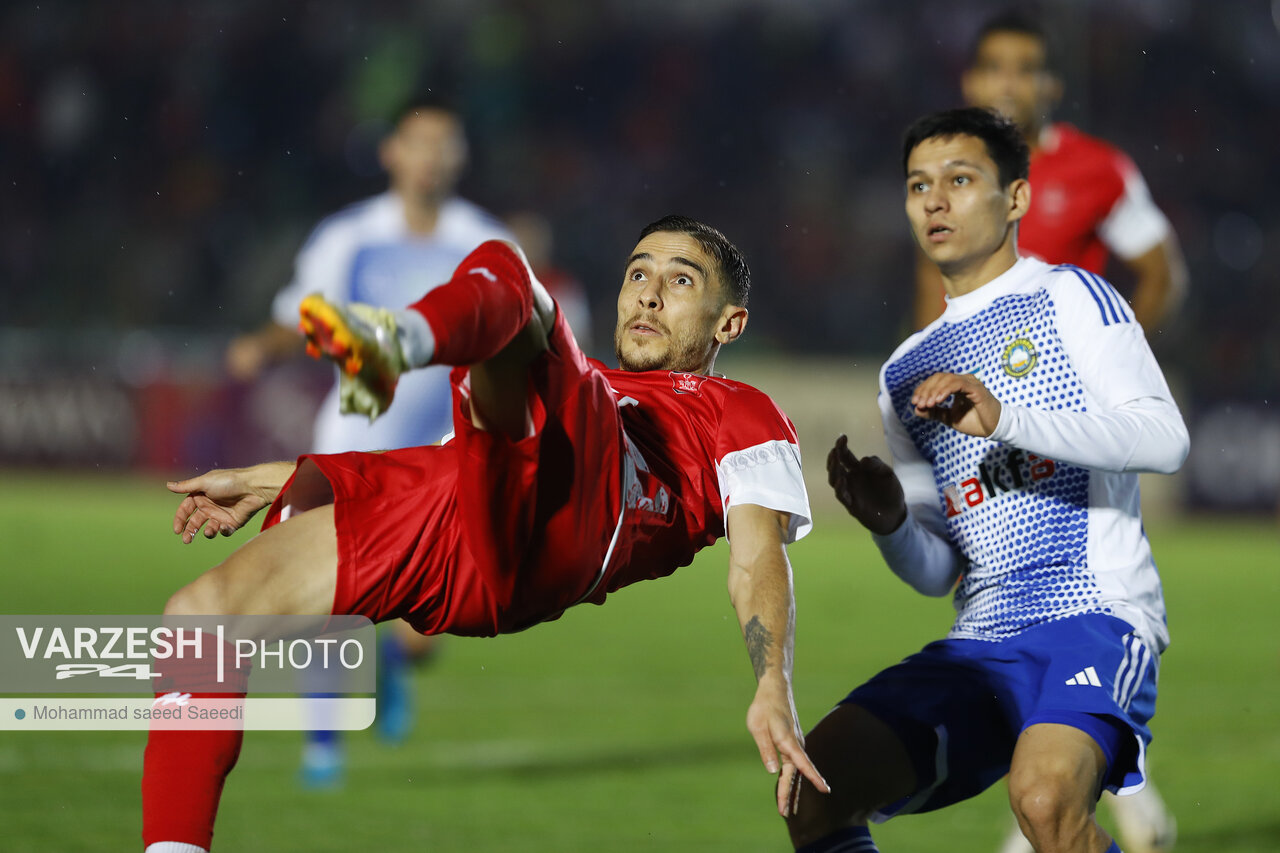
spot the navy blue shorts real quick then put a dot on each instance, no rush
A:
(959, 705)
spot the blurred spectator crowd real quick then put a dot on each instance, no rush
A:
(163, 161)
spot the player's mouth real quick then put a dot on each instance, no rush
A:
(646, 328)
(938, 233)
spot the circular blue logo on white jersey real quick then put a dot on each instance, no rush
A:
(1019, 358)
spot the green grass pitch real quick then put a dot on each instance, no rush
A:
(622, 727)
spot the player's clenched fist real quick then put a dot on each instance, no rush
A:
(960, 401)
(867, 487)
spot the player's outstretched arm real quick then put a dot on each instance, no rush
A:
(223, 500)
(249, 355)
(760, 589)
(867, 487)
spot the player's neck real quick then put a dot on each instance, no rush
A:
(1035, 136)
(706, 369)
(959, 280)
(421, 214)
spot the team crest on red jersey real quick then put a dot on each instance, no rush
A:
(687, 383)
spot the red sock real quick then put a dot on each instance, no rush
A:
(183, 770)
(477, 313)
(182, 776)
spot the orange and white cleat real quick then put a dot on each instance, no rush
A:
(362, 341)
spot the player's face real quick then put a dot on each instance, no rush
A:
(672, 314)
(1010, 75)
(425, 154)
(960, 214)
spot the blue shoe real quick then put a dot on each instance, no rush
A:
(395, 691)
(322, 766)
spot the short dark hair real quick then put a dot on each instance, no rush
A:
(1004, 141)
(1013, 21)
(734, 273)
(426, 100)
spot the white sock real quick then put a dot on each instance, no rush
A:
(173, 847)
(413, 333)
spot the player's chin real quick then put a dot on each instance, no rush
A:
(939, 253)
(633, 360)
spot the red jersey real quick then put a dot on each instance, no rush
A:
(695, 446)
(622, 477)
(1087, 198)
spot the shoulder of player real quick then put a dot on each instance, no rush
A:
(1083, 293)
(350, 222)
(911, 342)
(741, 392)
(1076, 145)
(725, 393)
(470, 221)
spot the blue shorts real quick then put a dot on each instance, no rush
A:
(959, 705)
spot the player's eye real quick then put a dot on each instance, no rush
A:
(683, 280)
(960, 180)
(635, 275)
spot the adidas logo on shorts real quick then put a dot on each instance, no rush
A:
(1087, 677)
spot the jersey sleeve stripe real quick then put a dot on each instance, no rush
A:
(1113, 298)
(1079, 273)
(1103, 291)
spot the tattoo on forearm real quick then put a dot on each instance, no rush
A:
(759, 644)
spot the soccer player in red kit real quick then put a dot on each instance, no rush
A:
(564, 481)
(1088, 199)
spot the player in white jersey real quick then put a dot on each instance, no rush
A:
(1017, 422)
(385, 251)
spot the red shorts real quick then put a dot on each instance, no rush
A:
(482, 535)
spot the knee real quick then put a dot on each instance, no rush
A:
(198, 598)
(1049, 809)
(818, 815)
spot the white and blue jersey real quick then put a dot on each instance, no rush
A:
(1040, 520)
(366, 253)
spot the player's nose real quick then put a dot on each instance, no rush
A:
(651, 296)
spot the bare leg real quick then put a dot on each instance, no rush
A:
(866, 765)
(289, 569)
(1054, 781)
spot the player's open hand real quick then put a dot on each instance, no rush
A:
(771, 719)
(867, 487)
(220, 501)
(960, 401)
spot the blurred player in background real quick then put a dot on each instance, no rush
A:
(1016, 444)
(564, 481)
(1088, 199)
(387, 251)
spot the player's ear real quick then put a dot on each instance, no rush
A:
(387, 153)
(967, 90)
(733, 321)
(1019, 199)
(1053, 90)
